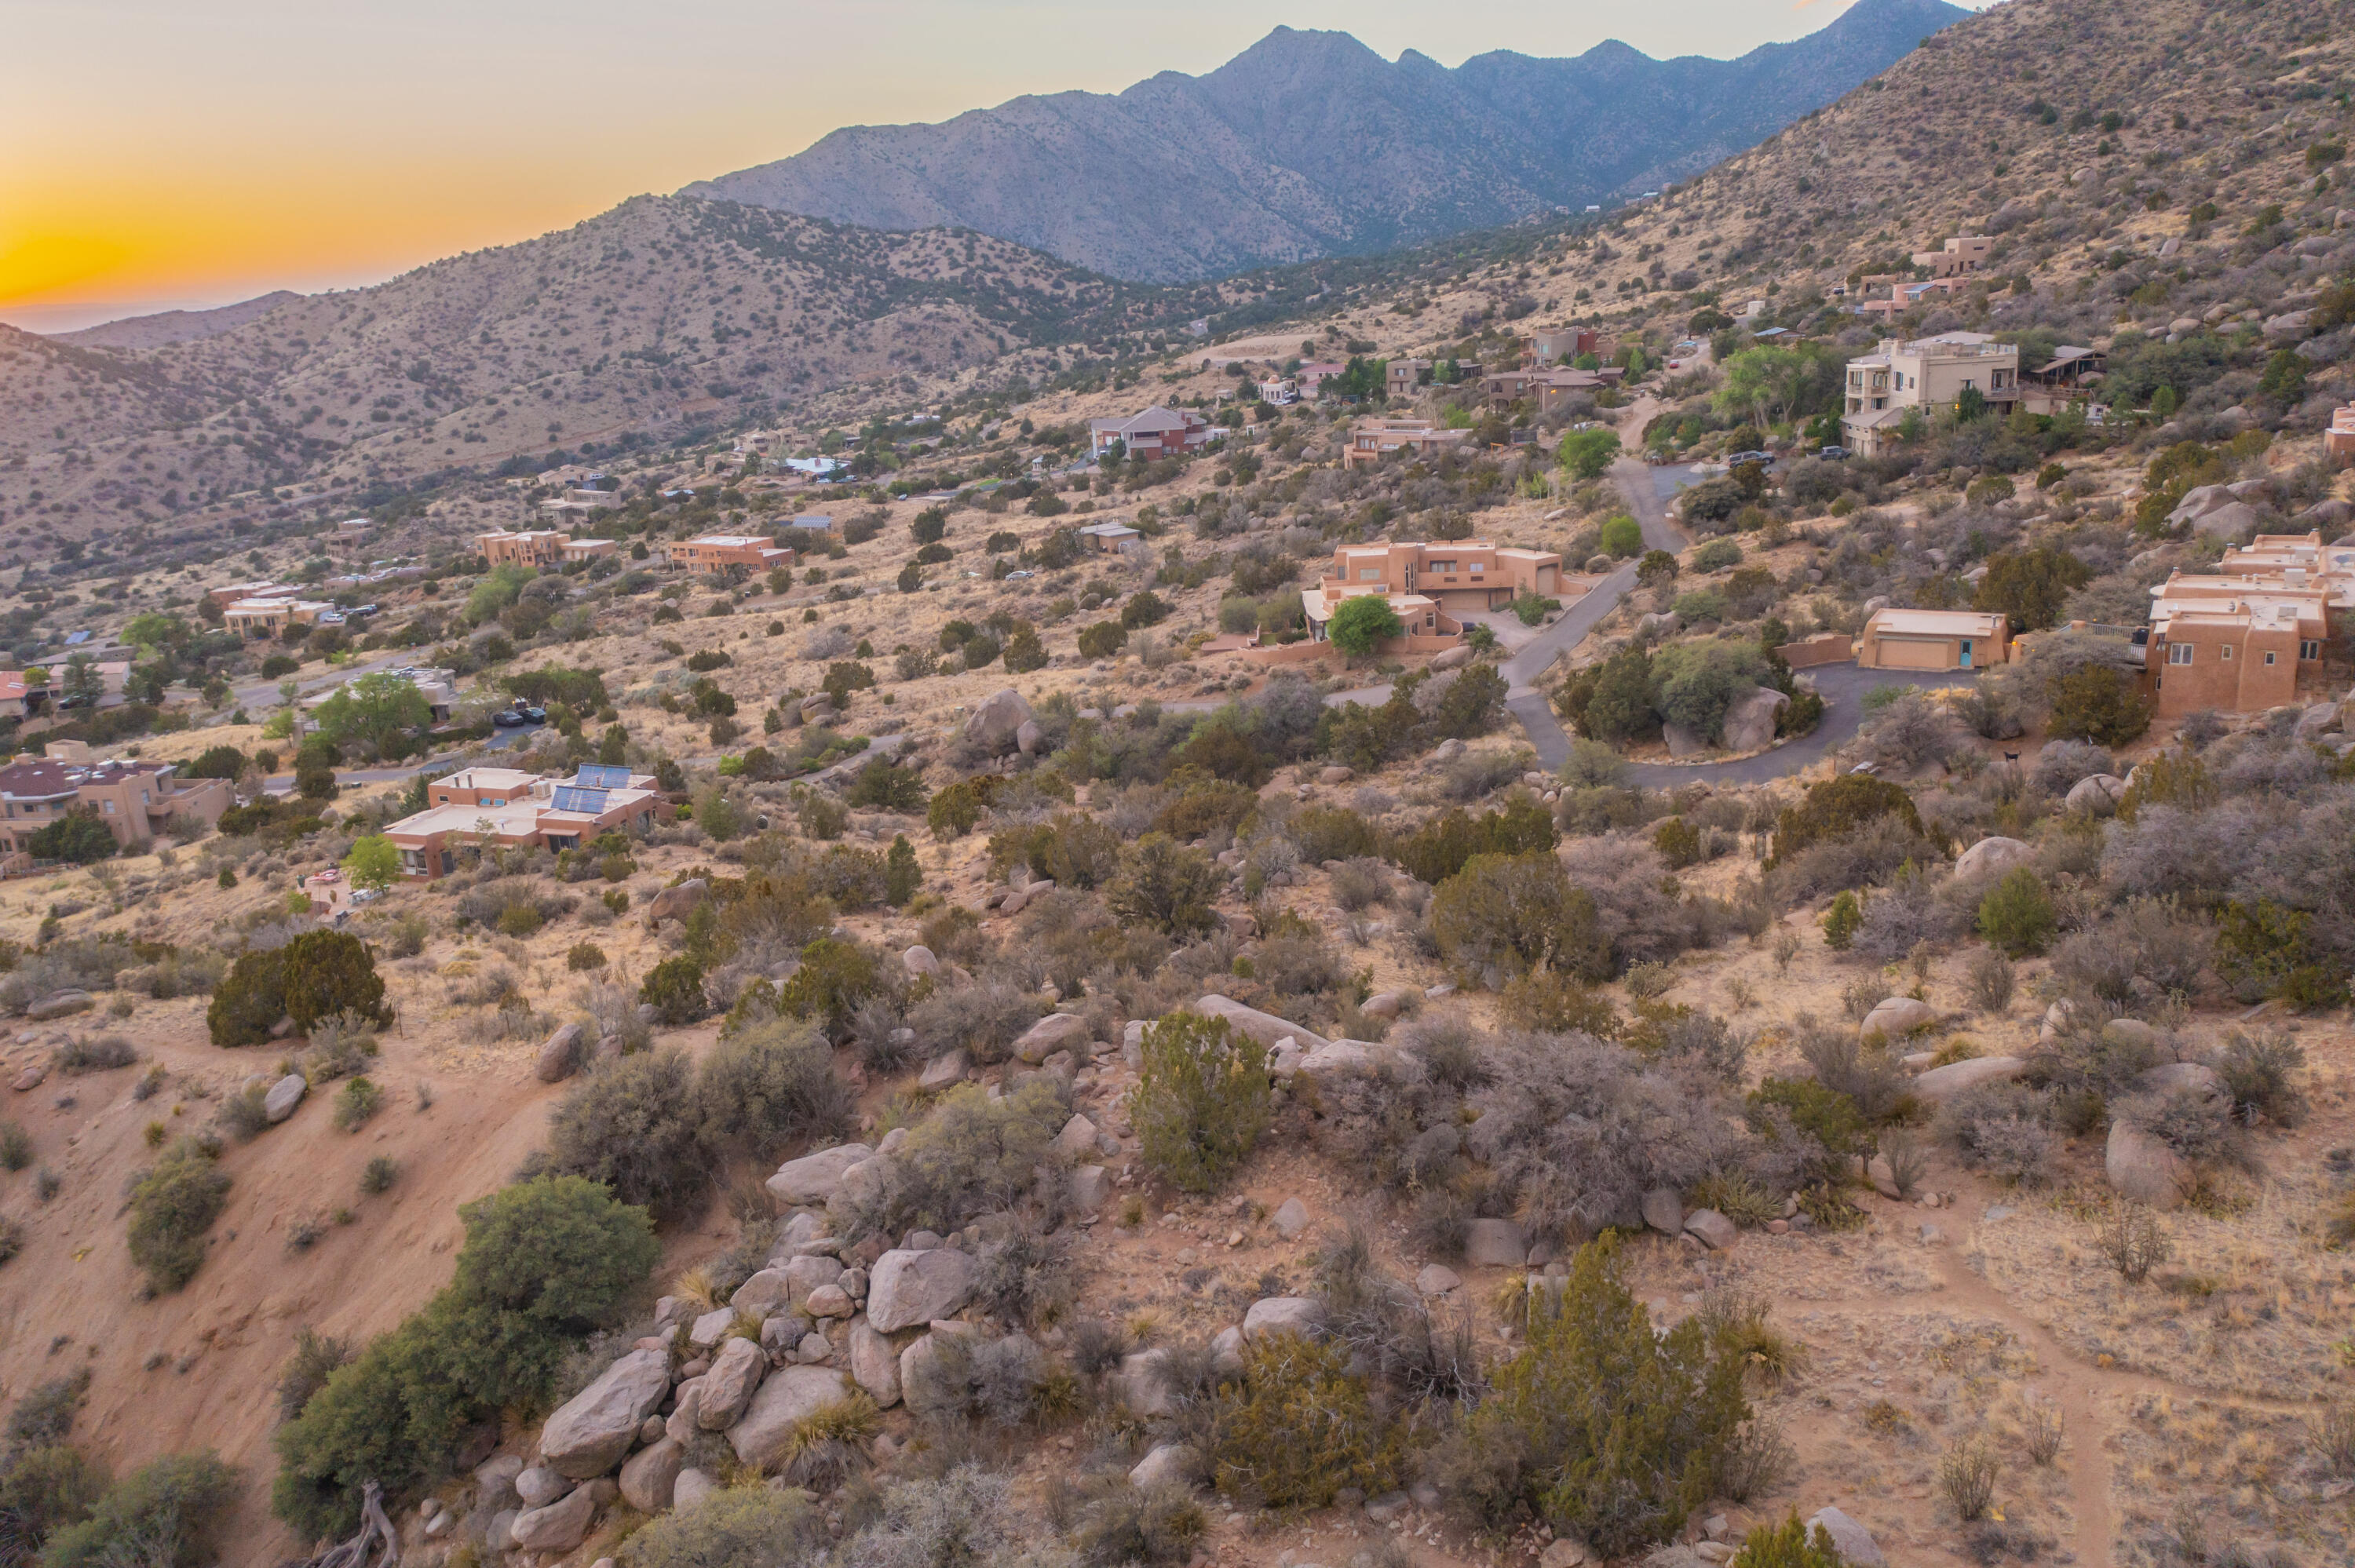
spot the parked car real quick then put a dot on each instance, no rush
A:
(1835, 454)
(518, 715)
(1763, 459)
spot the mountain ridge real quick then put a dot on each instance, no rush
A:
(1309, 143)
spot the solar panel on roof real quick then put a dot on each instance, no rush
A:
(589, 801)
(603, 776)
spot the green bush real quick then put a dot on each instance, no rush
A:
(673, 987)
(903, 874)
(1829, 1127)
(1299, 1427)
(1609, 1431)
(1200, 1101)
(741, 1527)
(583, 957)
(1842, 921)
(632, 1124)
(2098, 704)
(317, 975)
(1716, 555)
(887, 786)
(172, 1207)
(546, 1263)
(1331, 832)
(1622, 537)
(835, 976)
(1102, 640)
(768, 1087)
(1837, 808)
(1445, 843)
(77, 838)
(1516, 912)
(2017, 913)
(1788, 1545)
(356, 1102)
(971, 1155)
(167, 1514)
(1165, 886)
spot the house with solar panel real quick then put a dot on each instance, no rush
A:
(482, 807)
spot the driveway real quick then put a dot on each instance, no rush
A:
(1843, 689)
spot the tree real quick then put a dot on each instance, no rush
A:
(1766, 382)
(77, 838)
(1657, 570)
(328, 973)
(1200, 1101)
(1362, 622)
(217, 762)
(1102, 640)
(2029, 586)
(902, 873)
(373, 863)
(1165, 884)
(1622, 537)
(1515, 913)
(381, 709)
(1586, 454)
(1611, 701)
(674, 989)
(83, 683)
(1970, 406)
(2017, 913)
(1024, 652)
(2099, 704)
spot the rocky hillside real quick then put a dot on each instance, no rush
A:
(177, 326)
(1310, 144)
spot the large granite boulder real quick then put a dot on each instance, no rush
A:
(283, 1096)
(678, 903)
(810, 1182)
(1749, 720)
(907, 1288)
(788, 1396)
(651, 1473)
(1940, 1084)
(1495, 1244)
(728, 1387)
(2099, 793)
(559, 1055)
(589, 1432)
(1056, 1031)
(997, 723)
(2142, 1169)
(1850, 1540)
(560, 1527)
(1264, 1027)
(1683, 742)
(1896, 1017)
(874, 1364)
(59, 1004)
(1991, 857)
(1283, 1314)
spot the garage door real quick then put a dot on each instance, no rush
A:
(1904, 654)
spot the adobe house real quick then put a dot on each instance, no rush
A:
(1932, 640)
(1929, 374)
(1458, 575)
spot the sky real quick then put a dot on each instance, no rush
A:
(159, 154)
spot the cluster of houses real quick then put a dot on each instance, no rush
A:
(136, 800)
(506, 807)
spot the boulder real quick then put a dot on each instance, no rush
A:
(2099, 794)
(559, 1054)
(1077, 1140)
(2130, 1034)
(907, 1288)
(1029, 737)
(1336, 773)
(1264, 1027)
(919, 960)
(59, 1004)
(539, 1486)
(1683, 742)
(1132, 1042)
(1281, 1314)
(763, 1294)
(828, 1301)
(2229, 521)
(997, 722)
(1088, 1186)
(1882, 1175)
(589, 1432)
(560, 1527)
(922, 1387)
(2318, 720)
(1942, 1083)
(1850, 1540)
(810, 1182)
(1291, 1218)
(678, 903)
(1056, 1031)
(1227, 1351)
(650, 1474)
(1713, 1230)
(2142, 1169)
(1141, 1385)
(283, 1096)
(728, 1387)
(1564, 1553)
(787, 1396)
(1495, 1244)
(1991, 857)
(1896, 1017)
(1749, 721)
(1664, 1211)
(1169, 1464)
(944, 1072)
(2197, 1076)
(808, 1273)
(1383, 1004)
(1453, 658)
(1437, 1279)
(1447, 750)
(30, 1078)
(709, 1328)
(874, 1364)
(691, 1487)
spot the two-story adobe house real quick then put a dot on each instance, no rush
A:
(504, 808)
(1156, 432)
(1927, 374)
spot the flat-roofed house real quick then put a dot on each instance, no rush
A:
(726, 553)
(1375, 440)
(1156, 432)
(1932, 640)
(2339, 440)
(136, 800)
(1960, 257)
(1458, 575)
(521, 547)
(1929, 374)
(269, 617)
(1109, 539)
(1559, 345)
(503, 807)
(2236, 644)
(588, 549)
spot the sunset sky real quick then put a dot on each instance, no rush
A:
(159, 156)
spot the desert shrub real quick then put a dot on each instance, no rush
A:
(632, 1124)
(546, 1262)
(1299, 1427)
(45, 1416)
(965, 1519)
(172, 1207)
(1445, 843)
(16, 1146)
(2017, 914)
(2063, 762)
(2004, 1130)
(1024, 1278)
(1906, 913)
(738, 1527)
(673, 987)
(169, 1514)
(983, 1019)
(1201, 1099)
(1556, 1001)
(1361, 884)
(1837, 808)
(315, 1358)
(2191, 1121)
(1602, 1426)
(2133, 1241)
(1511, 914)
(100, 1053)
(1967, 1477)
(1816, 1125)
(1116, 1523)
(1166, 886)
(379, 1174)
(766, 1087)
(584, 957)
(1331, 832)
(2098, 704)
(1862, 1069)
(1788, 1545)
(1071, 848)
(1990, 980)
(356, 1102)
(317, 975)
(970, 1155)
(2260, 1073)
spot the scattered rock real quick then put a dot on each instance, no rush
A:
(1142, 1384)
(1336, 773)
(589, 1432)
(1882, 1175)
(1264, 1027)
(728, 1387)
(560, 1527)
(874, 1364)
(539, 1486)
(1664, 1211)
(2142, 1169)
(811, 1180)
(997, 722)
(919, 960)
(650, 1475)
(1169, 1464)
(59, 1004)
(1278, 1314)
(1383, 1004)
(1991, 857)
(691, 1487)
(709, 1328)
(2099, 794)
(763, 1294)
(30, 1078)
(1714, 1230)
(945, 1071)
(1056, 1031)
(1563, 1553)
(1077, 1140)
(907, 1288)
(1852, 1539)
(787, 1396)
(285, 1095)
(1029, 737)
(559, 1054)
(1452, 658)
(1897, 1017)
(1291, 1218)
(679, 903)
(1437, 1279)
(1495, 1244)
(2197, 1076)
(1942, 1083)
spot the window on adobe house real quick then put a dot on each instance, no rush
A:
(2269, 657)
(2228, 653)
(2179, 653)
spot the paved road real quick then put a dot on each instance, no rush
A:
(1842, 687)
